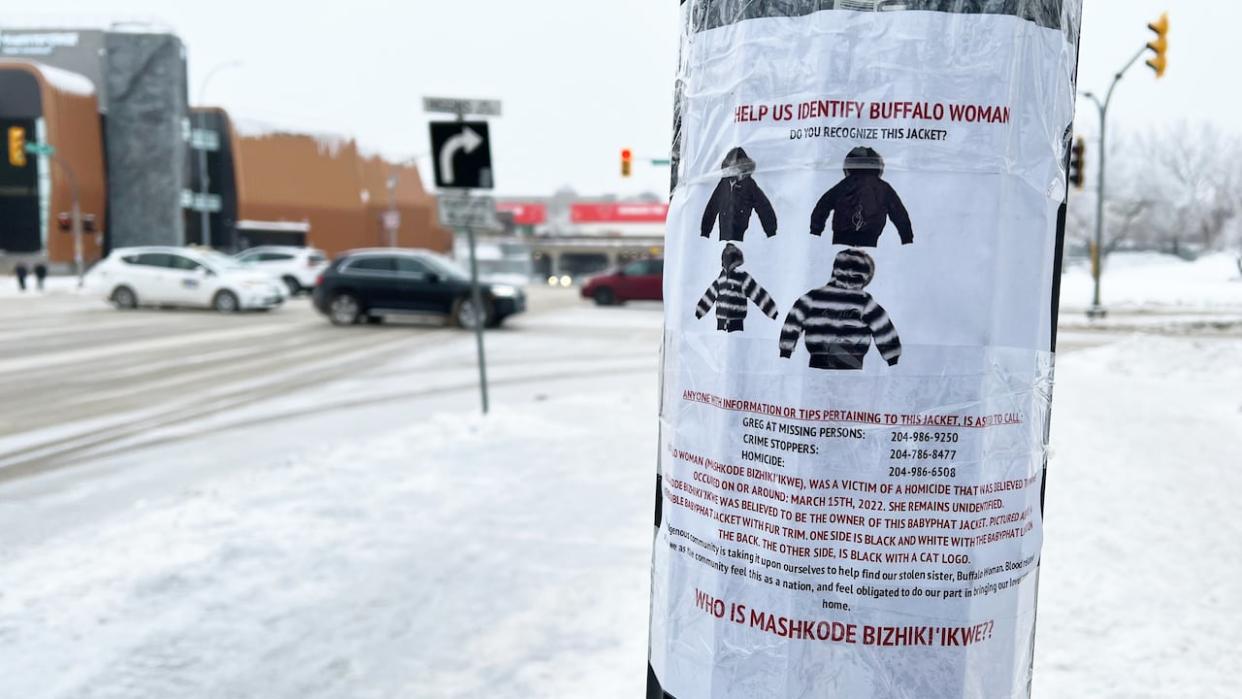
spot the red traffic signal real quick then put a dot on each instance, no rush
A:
(627, 162)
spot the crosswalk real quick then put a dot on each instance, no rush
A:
(75, 371)
(82, 380)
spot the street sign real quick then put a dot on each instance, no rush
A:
(204, 139)
(47, 149)
(478, 213)
(461, 154)
(197, 201)
(461, 107)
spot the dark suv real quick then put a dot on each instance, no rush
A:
(370, 284)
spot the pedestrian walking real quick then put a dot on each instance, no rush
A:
(21, 272)
(40, 271)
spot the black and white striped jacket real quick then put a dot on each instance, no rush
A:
(730, 291)
(841, 320)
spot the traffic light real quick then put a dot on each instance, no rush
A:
(1160, 45)
(1078, 163)
(17, 146)
(627, 162)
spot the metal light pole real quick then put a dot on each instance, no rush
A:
(1097, 308)
(79, 265)
(203, 188)
(392, 219)
(391, 224)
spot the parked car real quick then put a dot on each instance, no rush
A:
(642, 280)
(173, 276)
(297, 267)
(370, 284)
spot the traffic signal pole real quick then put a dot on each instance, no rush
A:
(1157, 63)
(1097, 308)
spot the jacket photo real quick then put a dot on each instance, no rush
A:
(841, 320)
(861, 204)
(730, 292)
(735, 198)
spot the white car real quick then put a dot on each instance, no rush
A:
(299, 268)
(173, 276)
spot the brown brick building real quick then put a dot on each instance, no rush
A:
(281, 187)
(41, 104)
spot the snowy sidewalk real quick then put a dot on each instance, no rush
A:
(1140, 589)
(466, 557)
(508, 557)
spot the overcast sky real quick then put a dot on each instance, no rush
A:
(579, 79)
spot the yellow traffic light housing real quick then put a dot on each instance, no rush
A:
(1160, 45)
(1078, 163)
(17, 146)
(627, 162)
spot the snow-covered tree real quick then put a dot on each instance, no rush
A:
(1196, 172)
(1168, 188)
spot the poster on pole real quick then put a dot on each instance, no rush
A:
(862, 260)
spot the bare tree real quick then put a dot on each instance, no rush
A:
(1195, 173)
(1168, 188)
(1126, 206)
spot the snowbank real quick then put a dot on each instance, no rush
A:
(504, 557)
(1141, 570)
(1145, 280)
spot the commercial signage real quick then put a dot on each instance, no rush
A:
(860, 307)
(82, 52)
(618, 213)
(36, 43)
(524, 213)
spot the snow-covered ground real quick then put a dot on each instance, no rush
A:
(507, 556)
(1141, 589)
(57, 285)
(462, 557)
(1153, 282)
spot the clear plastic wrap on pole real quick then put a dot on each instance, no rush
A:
(861, 274)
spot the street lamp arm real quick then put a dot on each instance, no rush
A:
(202, 87)
(1097, 308)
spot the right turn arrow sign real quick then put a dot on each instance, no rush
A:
(463, 158)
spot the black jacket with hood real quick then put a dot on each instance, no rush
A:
(841, 320)
(730, 291)
(861, 204)
(735, 198)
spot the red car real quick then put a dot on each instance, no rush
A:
(642, 280)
